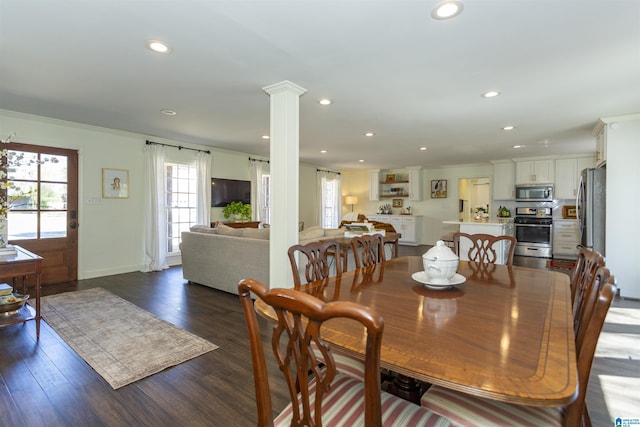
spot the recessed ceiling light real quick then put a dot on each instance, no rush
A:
(447, 9)
(519, 146)
(361, 160)
(490, 94)
(265, 137)
(369, 134)
(158, 46)
(323, 151)
(508, 127)
(325, 101)
(168, 112)
(423, 148)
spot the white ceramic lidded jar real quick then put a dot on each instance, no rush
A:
(440, 263)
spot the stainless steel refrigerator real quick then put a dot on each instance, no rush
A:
(590, 204)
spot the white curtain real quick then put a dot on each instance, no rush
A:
(203, 188)
(329, 198)
(155, 239)
(258, 197)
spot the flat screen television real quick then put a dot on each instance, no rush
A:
(225, 191)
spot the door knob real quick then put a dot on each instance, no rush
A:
(73, 224)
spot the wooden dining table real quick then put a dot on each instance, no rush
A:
(506, 333)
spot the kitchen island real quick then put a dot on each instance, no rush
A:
(493, 226)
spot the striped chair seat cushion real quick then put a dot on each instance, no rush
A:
(470, 411)
(345, 364)
(343, 405)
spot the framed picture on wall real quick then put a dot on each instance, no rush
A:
(438, 188)
(115, 183)
(391, 177)
(396, 203)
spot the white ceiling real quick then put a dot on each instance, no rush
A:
(387, 65)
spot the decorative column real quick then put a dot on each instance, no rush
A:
(285, 181)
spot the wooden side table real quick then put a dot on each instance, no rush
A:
(22, 264)
(238, 224)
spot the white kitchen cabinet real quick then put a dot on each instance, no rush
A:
(567, 175)
(534, 171)
(565, 238)
(374, 185)
(503, 180)
(415, 183)
(410, 226)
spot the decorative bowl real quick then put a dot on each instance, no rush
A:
(8, 308)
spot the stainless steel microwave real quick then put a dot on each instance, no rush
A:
(534, 192)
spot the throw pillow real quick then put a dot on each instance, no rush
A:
(225, 230)
(256, 233)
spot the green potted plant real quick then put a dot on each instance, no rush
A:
(237, 211)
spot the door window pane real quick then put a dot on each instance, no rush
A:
(54, 224)
(22, 225)
(53, 168)
(22, 196)
(22, 165)
(53, 196)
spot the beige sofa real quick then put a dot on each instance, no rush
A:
(220, 257)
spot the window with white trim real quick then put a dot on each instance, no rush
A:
(181, 202)
(265, 200)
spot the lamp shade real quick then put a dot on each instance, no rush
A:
(351, 200)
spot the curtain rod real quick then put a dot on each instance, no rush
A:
(323, 170)
(258, 160)
(179, 147)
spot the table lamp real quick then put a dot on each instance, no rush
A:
(351, 200)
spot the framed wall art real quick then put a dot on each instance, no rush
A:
(391, 177)
(569, 212)
(396, 203)
(115, 183)
(438, 188)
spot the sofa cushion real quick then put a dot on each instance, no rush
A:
(225, 230)
(256, 233)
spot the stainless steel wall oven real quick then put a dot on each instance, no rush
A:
(534, 232)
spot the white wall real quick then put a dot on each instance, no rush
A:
(110, 236)
(434, 211)
(623, 205)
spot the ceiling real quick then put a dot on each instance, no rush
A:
(388, 67)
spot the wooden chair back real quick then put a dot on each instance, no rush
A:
(483, 247)
(299, 320)
(317, 255)
(368, 249)
(597, 300)
(587, 264)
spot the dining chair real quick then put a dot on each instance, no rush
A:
(319, 394)
(318, 268)
(466, 410)
(368, 249)
(484, 247)
(317, 260)
(588, 262)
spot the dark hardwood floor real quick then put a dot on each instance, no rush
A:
(46, 384)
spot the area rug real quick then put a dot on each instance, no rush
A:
(119, 340)
(561, 264)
